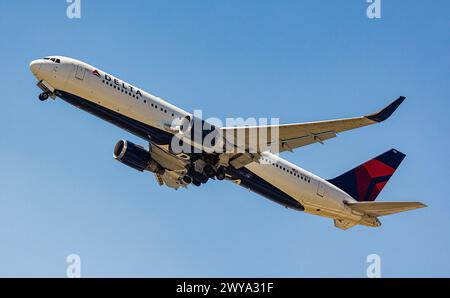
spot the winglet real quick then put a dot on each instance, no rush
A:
(387, 111)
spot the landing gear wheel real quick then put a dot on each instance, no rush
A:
(209, 171)
(43, 96)
(187, 179)
(220, 175)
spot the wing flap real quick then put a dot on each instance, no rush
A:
(159, 179)
(290, 144)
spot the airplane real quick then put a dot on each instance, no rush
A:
(348, 199)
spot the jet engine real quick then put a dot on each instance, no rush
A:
(136, 156)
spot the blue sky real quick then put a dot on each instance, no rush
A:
(62, 192)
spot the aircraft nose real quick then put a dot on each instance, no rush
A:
(35, 66)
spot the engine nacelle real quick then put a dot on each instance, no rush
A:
(136, 157)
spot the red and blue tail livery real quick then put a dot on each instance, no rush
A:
(366, 181)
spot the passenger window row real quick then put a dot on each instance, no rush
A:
(290, 171)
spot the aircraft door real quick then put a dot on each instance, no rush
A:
(80, 72)
(321, 189)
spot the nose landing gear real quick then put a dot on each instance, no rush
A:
(43, 96)
(48, 90)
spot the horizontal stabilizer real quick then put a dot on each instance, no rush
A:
(384, 208)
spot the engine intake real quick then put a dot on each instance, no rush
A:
(136, 157)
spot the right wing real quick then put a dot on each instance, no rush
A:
(291, 136)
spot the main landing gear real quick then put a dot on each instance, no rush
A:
(211, 172)
(220, 174)
(44, 96)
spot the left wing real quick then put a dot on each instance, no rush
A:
(291, 136)
(175, 166)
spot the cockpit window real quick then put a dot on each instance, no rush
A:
(56, 60)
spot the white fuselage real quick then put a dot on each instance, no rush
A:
(315, 194)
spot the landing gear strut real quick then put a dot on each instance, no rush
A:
(209, 171)
(220, 175)
(43, 96)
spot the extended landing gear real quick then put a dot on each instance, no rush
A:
(209, 171)
(200, 172)
(43, 96)
(48, 90)
(196, 178)
(187, 179)
(220, 174)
